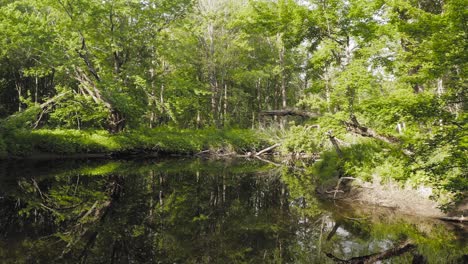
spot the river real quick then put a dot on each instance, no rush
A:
(200, 211)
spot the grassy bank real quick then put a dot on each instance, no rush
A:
(25, 143)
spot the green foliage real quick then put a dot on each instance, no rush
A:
(128, 66)
(166, 140)
(78, 112)
(300, 139)
(20, 120)
(403, 106)
(328, 166)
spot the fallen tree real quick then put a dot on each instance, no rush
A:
(355, 127)
(289, 112)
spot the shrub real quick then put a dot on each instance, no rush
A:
(300, 139)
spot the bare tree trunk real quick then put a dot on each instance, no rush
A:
(214, 92)
(327, 92)
(440, 87)
(225, 104)
(283, 80)
(36, 89)
(253, 120)
(19, 89)
(151, 97)
(283, 93)
(212, 73)
(161, 96)
(259, 102)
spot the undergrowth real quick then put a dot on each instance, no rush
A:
(22, 142)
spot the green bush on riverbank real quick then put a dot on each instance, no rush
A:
(21, 142)
(436, 158)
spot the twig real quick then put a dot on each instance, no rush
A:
(337, 188)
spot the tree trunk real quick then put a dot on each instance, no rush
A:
(116, 120)
(283, 79)
(225, 105)
(335, 143)
(19, 90)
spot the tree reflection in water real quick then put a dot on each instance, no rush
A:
(193, 211)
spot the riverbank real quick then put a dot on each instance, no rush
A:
(363, 161)
(391, 195)
(99, 143)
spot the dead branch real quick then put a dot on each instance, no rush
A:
(355, 127)
(53, 100)
(269, 161)
(335, 144)
(333, 231)
(203, 152)
(84, 54)
(268, 149)
(337, 188)
(37, 187)
(47, 105)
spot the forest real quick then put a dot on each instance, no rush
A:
(367, 88)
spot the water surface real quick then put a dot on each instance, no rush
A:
(198, 211)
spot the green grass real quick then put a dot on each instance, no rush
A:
(23, 143)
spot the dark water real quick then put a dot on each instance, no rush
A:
(195, 211)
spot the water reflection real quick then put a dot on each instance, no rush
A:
(196, 211)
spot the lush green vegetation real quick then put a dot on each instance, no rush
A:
(382, 83)
(24, 143)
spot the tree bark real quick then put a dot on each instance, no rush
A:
(335, 144)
